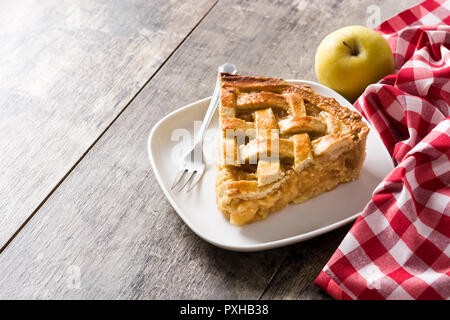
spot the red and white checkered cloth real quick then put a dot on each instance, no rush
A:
(399, 247)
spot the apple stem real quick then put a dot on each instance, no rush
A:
(354, 52)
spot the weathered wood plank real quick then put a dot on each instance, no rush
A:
(294, 279)
(107, 231)
(67, 70)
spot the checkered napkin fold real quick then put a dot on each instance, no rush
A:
(399, 247)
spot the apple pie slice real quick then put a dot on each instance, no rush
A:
(281, 143)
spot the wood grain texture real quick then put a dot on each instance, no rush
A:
(294, 279)
(108, 232)
(67, 69)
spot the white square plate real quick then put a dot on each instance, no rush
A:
(171, 138)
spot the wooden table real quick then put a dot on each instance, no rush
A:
(81, 85)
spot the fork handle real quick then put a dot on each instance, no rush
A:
(229, 68)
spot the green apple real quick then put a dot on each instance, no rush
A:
(351, 58)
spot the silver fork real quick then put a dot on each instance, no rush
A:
(193, 165)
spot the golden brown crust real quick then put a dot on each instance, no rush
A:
(318, 144)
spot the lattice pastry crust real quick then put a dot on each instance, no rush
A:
(281, 143)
